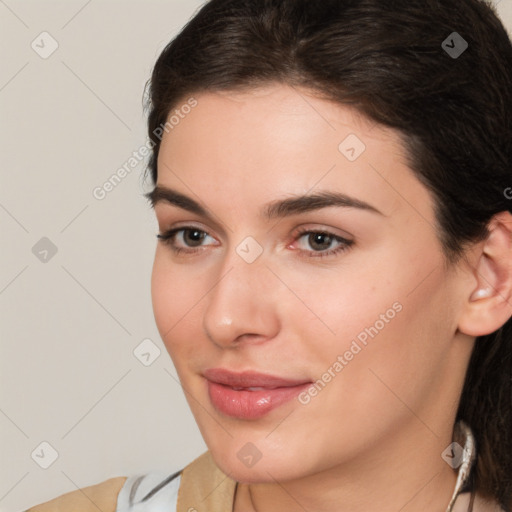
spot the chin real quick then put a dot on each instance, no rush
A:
(264, 470)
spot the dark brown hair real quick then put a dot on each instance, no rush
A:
(387, 59)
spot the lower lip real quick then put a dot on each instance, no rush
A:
(250, 405)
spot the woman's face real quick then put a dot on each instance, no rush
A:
(305, 251)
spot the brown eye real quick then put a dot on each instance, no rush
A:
(187, 239)
(319, 244)
(193, 237)
(320, 241)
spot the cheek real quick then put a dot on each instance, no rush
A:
(334, 306)
(164, 301)
(175, 296)
(391, 313)
(393, 343)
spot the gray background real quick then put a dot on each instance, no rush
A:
(70, 322)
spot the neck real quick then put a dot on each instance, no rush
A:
(407, 474)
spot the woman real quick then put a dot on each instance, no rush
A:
(333, 278)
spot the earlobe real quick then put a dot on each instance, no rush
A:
(489, 304)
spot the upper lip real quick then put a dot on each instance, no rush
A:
(250, 379)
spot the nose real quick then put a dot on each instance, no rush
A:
(242, 306)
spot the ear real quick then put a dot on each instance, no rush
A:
(489, 304)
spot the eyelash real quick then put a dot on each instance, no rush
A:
(168, 239)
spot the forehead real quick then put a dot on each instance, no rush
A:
(278, 140)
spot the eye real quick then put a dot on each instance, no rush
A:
(317, 244)
(314, 244)
(186, 239)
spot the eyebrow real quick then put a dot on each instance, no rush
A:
(276, 209)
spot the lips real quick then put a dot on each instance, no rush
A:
(249, 379)
(250, 395)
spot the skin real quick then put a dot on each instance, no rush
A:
(373, 437)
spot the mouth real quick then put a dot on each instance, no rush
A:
(250, 395)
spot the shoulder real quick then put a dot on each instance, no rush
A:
(139, 493)
(199, 482)
(102, 497)
(152, 492)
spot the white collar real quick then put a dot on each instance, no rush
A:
(463, 433)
